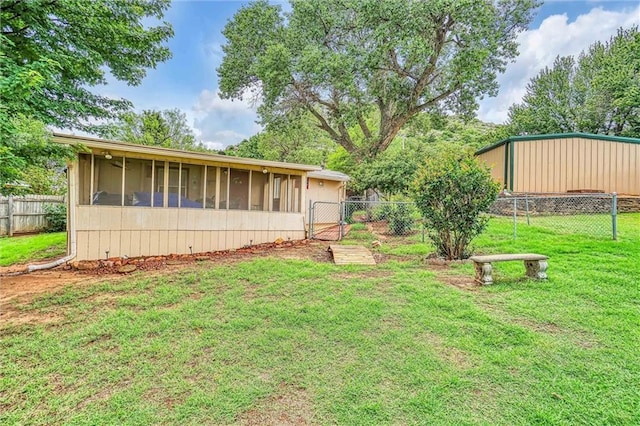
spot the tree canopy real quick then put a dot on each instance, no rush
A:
(52, 52)
(597, 92)
(167, 128)
(363, 68)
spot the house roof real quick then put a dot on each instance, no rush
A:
(525, 138)
(329, 175)
(169, 152)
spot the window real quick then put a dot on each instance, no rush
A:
(192, 186)
(137, 182)
(84, 185)
(107, 181)
(239, 189)
(224, 188)
(280, 192)
(259, 190)
(210, 196)
(296, 193)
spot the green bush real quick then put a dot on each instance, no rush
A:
(400, 220)
(453, 192)
(56, 216)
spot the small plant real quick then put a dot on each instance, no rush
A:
(453, 192)
(400, 220)
(56, 216)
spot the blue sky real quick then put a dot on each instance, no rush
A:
(188, 81)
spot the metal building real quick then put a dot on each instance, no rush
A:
(568, 162)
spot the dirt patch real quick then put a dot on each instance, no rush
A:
(445, 274)
(289, 406)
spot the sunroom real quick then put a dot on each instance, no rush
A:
(135, 200)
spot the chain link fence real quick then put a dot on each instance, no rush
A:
(589, 214)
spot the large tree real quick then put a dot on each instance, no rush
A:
(53, 51)
(599, 92)
(167, 128)
(294, 141)
(345, 60)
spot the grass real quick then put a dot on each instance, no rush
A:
(27, 248)
(390, 344)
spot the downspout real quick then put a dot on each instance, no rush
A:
(71, 227)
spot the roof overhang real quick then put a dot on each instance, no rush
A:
(109, 145)
(329, 175)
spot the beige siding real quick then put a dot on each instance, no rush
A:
(572, 164)
(145, 231)
(495, 160)
(326, 191)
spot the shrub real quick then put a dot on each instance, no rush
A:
(400, 220)
(56, 216)
(453, 192)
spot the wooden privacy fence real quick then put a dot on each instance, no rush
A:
(21, 214)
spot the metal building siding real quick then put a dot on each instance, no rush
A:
(495, 159)
(575, 163)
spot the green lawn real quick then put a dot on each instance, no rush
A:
(389, 344)
(27, 248)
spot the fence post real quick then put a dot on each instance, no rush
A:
(10, 216)
(343, 213)
(310, 219)
(515, 219)
(614, 215)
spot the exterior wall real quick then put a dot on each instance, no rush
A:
(571, 164)
(329, 192)
(496, 160)
(146, 231)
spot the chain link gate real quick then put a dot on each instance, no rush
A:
(325, 220)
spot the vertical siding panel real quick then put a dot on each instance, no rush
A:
(543, 163)
(620, 173)
(636, 181)
(537, 166)
(125, 243)
(222, 240)
(116, 243)
(105, 244)
(198, 246)
(163, 242)
(155, 245)
(598, 152)
(135, 243)
(182, 245)
(144, 243)
(588, 172)
(626, 168)
(557, 165)
(521, 165)
(172, 241)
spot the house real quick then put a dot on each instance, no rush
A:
(136, 200)
(568, 162)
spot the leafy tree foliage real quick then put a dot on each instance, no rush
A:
(294, 141)
(53, 51)
(345, 61)
(453, 192)
(166, 128)
(599, 92)
(29, 163)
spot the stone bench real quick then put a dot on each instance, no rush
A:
(535, 264)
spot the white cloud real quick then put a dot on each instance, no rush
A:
(223, 122)
(539, 47)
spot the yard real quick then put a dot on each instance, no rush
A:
(291, 338)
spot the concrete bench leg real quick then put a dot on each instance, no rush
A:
(483, 273)
(536, 269)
